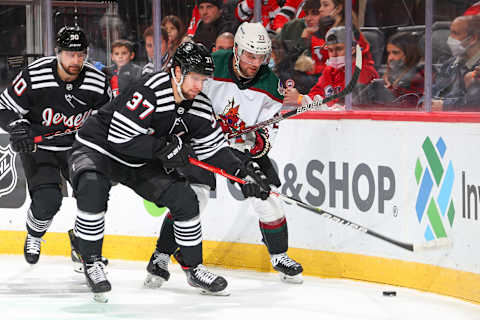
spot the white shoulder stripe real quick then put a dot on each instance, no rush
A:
(42, 78)
(40, 62)
(155, 78)
(159, 82)
(163, 92)
(91, 88)
(44, 85)
(8, 101)
(93, 81)
(40, 71)
(130, 123)
(166, 100)
(92, 68)
(211, 136)
(166, 108)
(95, 75)
(201, 114)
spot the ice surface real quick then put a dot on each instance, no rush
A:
(52, 290)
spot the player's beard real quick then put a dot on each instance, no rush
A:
(71, 70)
(190, 94)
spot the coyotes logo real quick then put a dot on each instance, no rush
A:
(229, 120)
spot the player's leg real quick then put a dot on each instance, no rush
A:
(43, 178)
(91, 187)
(176, 194)
(273, 226)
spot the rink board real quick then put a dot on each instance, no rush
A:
(411, 181)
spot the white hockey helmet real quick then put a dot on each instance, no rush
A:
(253, 38)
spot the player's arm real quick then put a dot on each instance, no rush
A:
(130, 131)
(14, 105)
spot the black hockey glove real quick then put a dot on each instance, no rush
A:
(21, 137)
(262, 144)
(255, 186)
(267, 168)
(174, 154)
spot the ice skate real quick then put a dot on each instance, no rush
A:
(75, 255)
(290, 271)
(31, 249)
(207, 282)
(157, 270)
(94, 271)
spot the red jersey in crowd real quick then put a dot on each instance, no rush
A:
(332, 80)
(270, 8)
(291, 9)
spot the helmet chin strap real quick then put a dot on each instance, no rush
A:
(178, 83)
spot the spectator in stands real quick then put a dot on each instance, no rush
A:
(124, 71)
(212, 23)
(402, 83)
(332, 15)
(176, 32)
(149, 47)
(449, 90)
(332, 80)
(225, 41)
(296, 34)
(270, 9)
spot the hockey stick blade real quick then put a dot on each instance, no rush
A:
(439, 243)
(312, 106)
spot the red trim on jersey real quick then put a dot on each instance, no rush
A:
(473, 117)
(273, 224)
(251, 88)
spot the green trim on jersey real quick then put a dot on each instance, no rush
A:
(267, 80)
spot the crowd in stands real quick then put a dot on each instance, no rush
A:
(308, 42)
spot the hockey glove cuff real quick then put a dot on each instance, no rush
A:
(21, 137)
(174, 154)
(262, 144)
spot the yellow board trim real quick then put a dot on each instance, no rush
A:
(459, 284)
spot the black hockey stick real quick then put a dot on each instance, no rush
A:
(443, 242)
(309, 107)
(38, 139)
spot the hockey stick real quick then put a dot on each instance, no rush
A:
(309, 107)
(415, 247)
(38, 139)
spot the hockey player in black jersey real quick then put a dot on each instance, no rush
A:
(143, 139)
(52, 95)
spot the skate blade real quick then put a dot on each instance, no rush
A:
(153, 281)
(100, 297)
(223, 293)
(296, 279)
(78, 267)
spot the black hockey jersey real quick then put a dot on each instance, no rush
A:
(52, 105)
(128, 128)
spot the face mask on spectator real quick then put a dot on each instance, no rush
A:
(456, 46)
(271, 63)
(396, 65)
(336, 62)
(326, 22)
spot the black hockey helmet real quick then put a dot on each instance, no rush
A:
(71, 39)
(193, 57)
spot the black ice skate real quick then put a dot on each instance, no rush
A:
(94, 270)
(75, 255)
(207, 282)
(31, 248)
(157, 270)
(290, 270)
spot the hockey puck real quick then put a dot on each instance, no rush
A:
(389, 293)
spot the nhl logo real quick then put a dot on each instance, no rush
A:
(8, 172)
(180, 110)
(69, 86)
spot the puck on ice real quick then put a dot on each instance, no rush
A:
(389, 293)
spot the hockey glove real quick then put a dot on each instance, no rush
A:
(255, 186)
(174, 154)
(267, 168)
(262, 144)
(21, 137)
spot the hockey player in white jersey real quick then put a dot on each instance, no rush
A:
(244, 91)
(53, 95)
